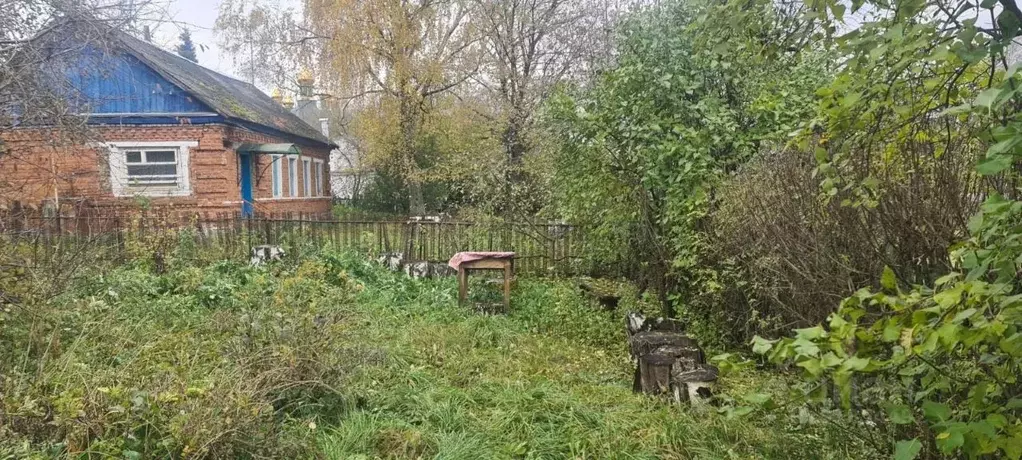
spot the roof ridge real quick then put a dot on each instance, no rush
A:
(189, 61)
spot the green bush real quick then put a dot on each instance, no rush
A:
(935, 368)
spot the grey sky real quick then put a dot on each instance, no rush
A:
(199, 16)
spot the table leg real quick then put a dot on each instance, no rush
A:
(462, 285)
(507, 288)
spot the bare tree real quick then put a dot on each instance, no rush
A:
(532, 46)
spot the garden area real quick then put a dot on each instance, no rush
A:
(327, 354)
(825, 195)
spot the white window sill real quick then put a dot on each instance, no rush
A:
(153, 193)
(295, 198)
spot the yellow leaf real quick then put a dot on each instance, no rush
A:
(906, 339)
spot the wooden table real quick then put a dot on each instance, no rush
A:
(466, 261)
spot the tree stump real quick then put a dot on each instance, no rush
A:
(667, 361)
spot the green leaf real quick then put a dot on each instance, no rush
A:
(892, 330)
(758, 399)
(1012, 345)
(855, 363)
(963, 315)
(812, 366)
(761, 345)
(830, 359)
(907, 450)
(810, 333)
(899, 414)
(988, 97)
(949, 297)
(952, 439)
(821, 155)
(805, 347)
(935, 411)
(888, 280)
(994, 165)
(1012, 446)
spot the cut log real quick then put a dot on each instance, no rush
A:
(655, 374)
(636, 322)
(609, 302)
(685, 358)
(644, 343)
(693, 386)
(603, 295)
(667, 361)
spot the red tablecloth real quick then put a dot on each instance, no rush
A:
(463, 257)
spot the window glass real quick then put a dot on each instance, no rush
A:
(275, 177)
(160, 156)
(307, 176)
(151, 167)
(152, 170)
(292, 176)
(319, 178)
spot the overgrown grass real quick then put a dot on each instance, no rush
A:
(328, 355)
(550, 380)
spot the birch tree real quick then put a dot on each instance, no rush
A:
(396, 56)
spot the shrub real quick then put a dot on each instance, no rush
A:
(784, 255)
(935, 368)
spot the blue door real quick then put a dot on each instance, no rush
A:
(246, 184)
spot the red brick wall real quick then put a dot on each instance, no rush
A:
(37, 167)
(262, 177)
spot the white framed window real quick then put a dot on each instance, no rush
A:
(150, 168)
(307, 177)
(276, 179)
(319, 177)
(292, 176)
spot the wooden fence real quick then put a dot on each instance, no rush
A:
(540, 248)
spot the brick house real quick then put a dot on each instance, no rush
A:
(164, 130)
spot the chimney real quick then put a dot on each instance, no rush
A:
(324, 127)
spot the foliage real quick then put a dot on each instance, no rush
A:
(642, 148)
(186, 48)
(934, 369)
(785, 257)
(216, 361)
(331, 355)
(458, 163)
(938, 366)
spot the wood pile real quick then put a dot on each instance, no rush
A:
(668, 362)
